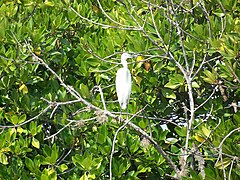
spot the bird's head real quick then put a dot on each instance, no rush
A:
(124, 58)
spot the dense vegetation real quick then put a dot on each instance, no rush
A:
(58, 110)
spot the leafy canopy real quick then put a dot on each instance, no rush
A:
(58, 61)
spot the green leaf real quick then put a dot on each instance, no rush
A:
(35, 143)
(142, 169)
(121, 138)
(5, 81)
(210, 173)
(84, 162)
(44, 177)
(102, 135)
(62, 167)
(210, 77)
(84, 177)
(168, 93)
(143, 123)
(175, 81)
(163, 134)
(87, 162)
(194, 174)
(171, 140)
(33, 128)
(84, 91)
(21, 130)
(47, 150)
(134, 147)
(219, 14)
(14, 119)
(172, 85)
(223, 164)
(236, 117)
(54, 154)
(22, 118)
(49, 173)
(195, 84)
(181, 131)
(206, 131)
(29, 163)
(49, 3)
(3, 159)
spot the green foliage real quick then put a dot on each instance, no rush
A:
(42, 139)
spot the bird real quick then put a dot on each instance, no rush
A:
(124, 82)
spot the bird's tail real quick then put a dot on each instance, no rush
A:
(123, 106)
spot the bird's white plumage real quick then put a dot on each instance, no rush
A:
(124, 82)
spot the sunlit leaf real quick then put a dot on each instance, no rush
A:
(63, 167)
(3, 159)
(138, 80)
(195, 85)
(49, 3)
(171, 140)
(168, 93)
(199, 138)
(23, 88)
(223, 164)
(35, 143)
(206, 131)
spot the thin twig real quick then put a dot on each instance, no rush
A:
(230, 170)
(29, 120)
(104, 25)
(64, 157)
(104, 12)
(180, 34)
(114, 141)
(229, 134)
(53, 135)
(102, 97)
(215, 88)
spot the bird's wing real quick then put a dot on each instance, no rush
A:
(118, 80)
(123, 80)
(123, 86)
(129, 83)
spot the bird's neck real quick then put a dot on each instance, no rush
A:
(124, 63)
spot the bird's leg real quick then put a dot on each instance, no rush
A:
(120, 114)
(127, 113)
(150, 128)
(149, 125)
(120, 117)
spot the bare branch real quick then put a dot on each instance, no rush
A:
(104, 25)
(229, 134)
(102, 97)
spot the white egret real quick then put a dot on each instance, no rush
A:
(123, 87)
(124, 82)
